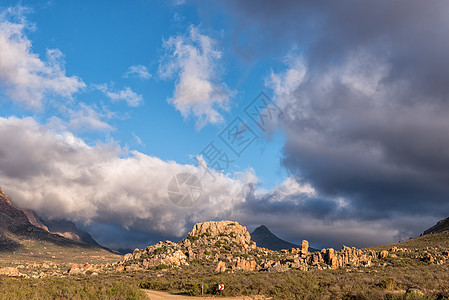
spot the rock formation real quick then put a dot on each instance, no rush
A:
(228, 246)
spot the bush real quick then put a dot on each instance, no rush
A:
(161, 267)
(158, 251)
(389, 283)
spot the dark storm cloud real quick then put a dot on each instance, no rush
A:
(369, 120)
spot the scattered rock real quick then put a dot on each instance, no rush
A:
(221, 267)
(414, 291)
(9, 271)
(383, 254)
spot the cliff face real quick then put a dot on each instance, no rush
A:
(18, 226)
(11, 218)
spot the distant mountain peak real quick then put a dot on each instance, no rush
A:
(262, 228)
(266, 239)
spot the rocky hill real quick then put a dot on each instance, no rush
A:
(441, 226)
(266, 239)
(227, 245)
(61, 227)
(21, 240)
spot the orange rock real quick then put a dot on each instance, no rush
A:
(120, 269)
(304, 248)
(221, 267)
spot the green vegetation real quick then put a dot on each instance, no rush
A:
(101, 287)
(192, 238)
(161, 267)
(403, 274)
(359, 283)
(158, 251)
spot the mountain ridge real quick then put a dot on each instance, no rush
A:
(21, 228)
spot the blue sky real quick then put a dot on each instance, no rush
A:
(103, 103)
(99, 44)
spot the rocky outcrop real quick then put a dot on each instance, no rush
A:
(215, 229)
(305, 248)
(221, 267)
(4, 198)
(9, 271)
(441, 226)
(228, 246)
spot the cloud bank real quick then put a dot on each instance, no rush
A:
(365, 101)
(104, 186)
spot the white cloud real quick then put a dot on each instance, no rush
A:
(138, 71)
(24, 76)
(131, 98)
(59, 175)
(83, 118)
(194, 61)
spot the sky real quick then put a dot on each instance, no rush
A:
(323, 121)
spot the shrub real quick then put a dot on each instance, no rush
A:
(161, 267)
(389, 283)
(158, 251)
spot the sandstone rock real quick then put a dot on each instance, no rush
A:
(304, 248)
(334, 263)
(278, 267)
(75, 269)
(317, 257)
(245, 265)
(383, 254)
(9, 271)
(413, 291)
(226, 228)
(221, 267)
(120, 269)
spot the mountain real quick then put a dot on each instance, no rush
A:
(25, 236)
(24, 217)
(15, 226)
(266, 239)
(441, 226)
(61, 227)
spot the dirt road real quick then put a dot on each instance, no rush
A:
(155, 295)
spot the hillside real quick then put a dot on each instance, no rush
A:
(441, 226)
(20, 240)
